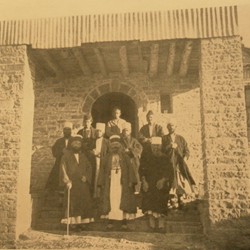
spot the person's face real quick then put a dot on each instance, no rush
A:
(87, 123)
(150, 119)
(126, 132)
(76, 146)
(156, 149)
(117, 113)
(67, 132)
(99, 133)
(171, 128)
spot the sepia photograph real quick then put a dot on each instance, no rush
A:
(125, 124)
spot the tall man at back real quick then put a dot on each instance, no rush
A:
(116, 125)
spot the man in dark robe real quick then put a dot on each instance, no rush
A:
(151, 129)
(57, 151)
(133, 149)
(116, 125)
(100, 151)
(176, 149)
(155, 175)
(76, 175)
(117, 178)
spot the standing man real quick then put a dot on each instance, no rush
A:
(76, 175)
(151, 129)
(176, 149)
(100, 151)
(117, 178)
(57, 151)
(133, 149)
(155, 175)
(87, 133)
(116, 125)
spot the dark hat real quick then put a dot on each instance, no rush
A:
(75, 138)
(150, 112)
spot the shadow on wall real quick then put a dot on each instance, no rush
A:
(42, 163)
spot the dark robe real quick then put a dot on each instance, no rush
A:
(80, 196)
(154, 170)
(128, 179)
(57, 151)
(134, 153)
(103, 153)
(176, 157)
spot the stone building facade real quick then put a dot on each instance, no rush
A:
(188, 66)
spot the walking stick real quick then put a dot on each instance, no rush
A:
(68, 206)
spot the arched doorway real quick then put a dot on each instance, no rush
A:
(102, 109)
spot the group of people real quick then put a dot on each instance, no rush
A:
(105, 169)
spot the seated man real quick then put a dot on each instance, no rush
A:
(133, 149)
(155, 175)
(176, 149)
(57, 151)
(115, 126)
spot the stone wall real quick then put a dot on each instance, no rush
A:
(224, 135)
(15, 149)
(57, 101)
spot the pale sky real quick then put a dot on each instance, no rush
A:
(18, 9)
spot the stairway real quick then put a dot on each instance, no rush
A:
(186, 221)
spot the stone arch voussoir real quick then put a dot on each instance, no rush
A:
(136, 94)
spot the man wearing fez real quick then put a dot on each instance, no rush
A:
(76, 175)
(115, 126)
(87, 133)
(155, 175)
(151, 129)
(57, 151)
(100, 150)
(133, 149)
(176, 149)
(117, 178)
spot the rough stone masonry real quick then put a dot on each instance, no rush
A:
(224, 136)
(16, 123)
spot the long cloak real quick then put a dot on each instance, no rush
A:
(156, 168)
(53, 182)
(176, 159)
(98, 164)
(127, 200)
(80, 196)
(135, 150)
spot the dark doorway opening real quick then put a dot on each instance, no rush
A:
(102, 109)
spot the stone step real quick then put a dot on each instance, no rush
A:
(174, 215)
(139, 225)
